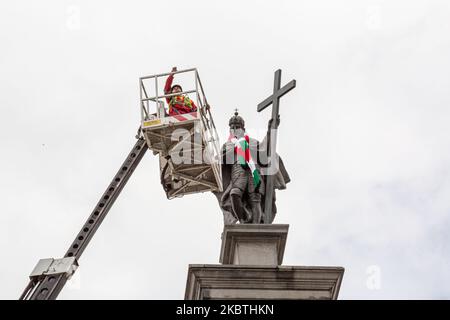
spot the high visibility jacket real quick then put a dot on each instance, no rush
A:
(178, 104)
(181, 104)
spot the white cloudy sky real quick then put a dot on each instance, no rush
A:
(364, 136)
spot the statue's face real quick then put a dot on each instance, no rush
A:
(237, 131)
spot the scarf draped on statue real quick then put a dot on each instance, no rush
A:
(244, 157)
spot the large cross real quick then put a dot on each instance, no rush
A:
(273, 100)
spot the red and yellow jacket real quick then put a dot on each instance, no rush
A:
(178, 104)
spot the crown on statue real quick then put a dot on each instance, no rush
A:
(236, 121)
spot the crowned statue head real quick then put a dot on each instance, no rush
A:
(237, 125)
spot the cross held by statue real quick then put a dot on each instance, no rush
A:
(274, 100)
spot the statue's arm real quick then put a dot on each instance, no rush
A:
(228, 152)
(263, 145)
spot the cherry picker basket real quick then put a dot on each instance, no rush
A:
(187, 144)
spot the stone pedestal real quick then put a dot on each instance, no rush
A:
(253, 244)
(251, 257)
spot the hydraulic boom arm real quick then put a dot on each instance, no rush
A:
(50, 275)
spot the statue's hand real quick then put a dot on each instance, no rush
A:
(277, 122)
(228, 156)
(229, 146)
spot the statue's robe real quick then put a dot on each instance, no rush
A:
(259, 154)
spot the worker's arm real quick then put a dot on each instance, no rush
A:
(194, 107)
(168, 85)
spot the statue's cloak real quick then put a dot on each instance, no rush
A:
(259, 154)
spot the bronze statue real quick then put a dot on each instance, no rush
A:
(244, 182)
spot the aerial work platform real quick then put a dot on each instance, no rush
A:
(187, 144)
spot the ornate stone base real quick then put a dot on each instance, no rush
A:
(262, 282)
(251, 258)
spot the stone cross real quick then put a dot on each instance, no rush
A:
(273, 100)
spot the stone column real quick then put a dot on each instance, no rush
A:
(251, 260)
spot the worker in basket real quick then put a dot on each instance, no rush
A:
(178, 104)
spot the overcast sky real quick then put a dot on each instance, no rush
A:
(365, 137)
